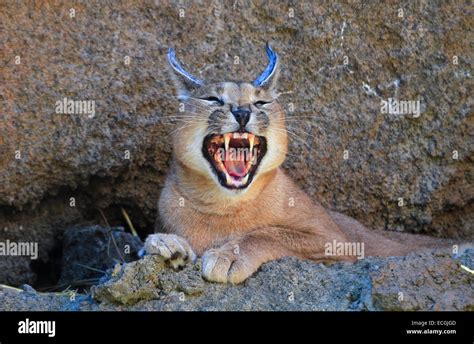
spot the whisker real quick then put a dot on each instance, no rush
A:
(292, 120)
(290, 123)
(187, 113)
(301, 131)
(186, 119)
(183, 121)
(182, 116)
(192, 102)
(180, 120)
(178, 129)
(294, 135)
(289, 118)
(311, 124)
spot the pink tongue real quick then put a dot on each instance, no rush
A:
(235, 168)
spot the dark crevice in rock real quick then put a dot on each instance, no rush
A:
(45, 223)
(48, 271)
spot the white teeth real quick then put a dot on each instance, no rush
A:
(239, 135)
(254, 159)
(245, 179)
(226, 141)
(251, 140)
(228, 179)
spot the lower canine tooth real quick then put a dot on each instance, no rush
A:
(226, 141)
(228, 179)
(245, 179)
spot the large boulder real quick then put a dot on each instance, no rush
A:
(339, 62)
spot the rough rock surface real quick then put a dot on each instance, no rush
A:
(332, 107)
(424, 282)
(428, 281)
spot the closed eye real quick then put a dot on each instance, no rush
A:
(214, 100)
(260, 103)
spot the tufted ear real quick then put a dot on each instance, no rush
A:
(184, 82)
(269, 77)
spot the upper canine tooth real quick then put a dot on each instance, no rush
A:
(227, 140)
(251, 140)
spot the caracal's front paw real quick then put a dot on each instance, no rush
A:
(227, 265)
(169, 246)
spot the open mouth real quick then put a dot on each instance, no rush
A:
(235, 157)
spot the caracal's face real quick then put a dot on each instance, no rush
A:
(230, 132)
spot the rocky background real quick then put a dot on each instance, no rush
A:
(339, 61)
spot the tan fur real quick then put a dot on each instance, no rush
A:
(238, 231)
